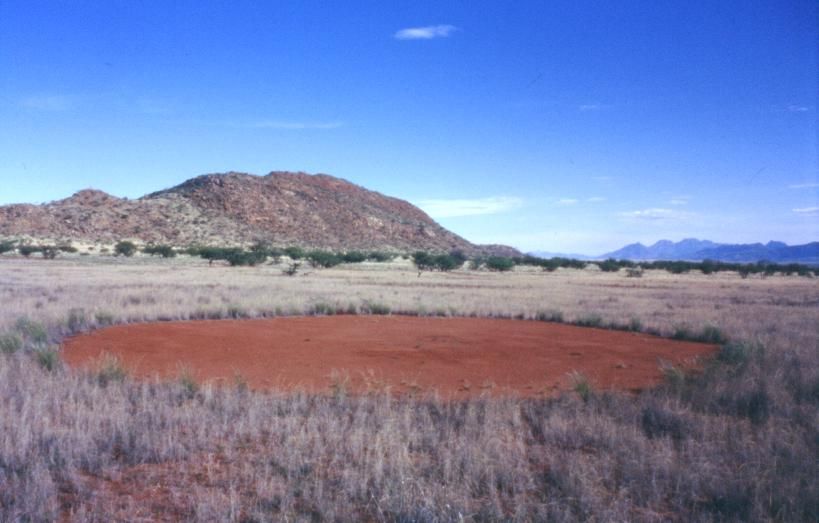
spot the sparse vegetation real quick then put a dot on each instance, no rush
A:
(699, 447)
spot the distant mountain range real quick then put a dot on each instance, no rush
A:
(691, 249)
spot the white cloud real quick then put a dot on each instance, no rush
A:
(586, 108)
(807, 211)
(47, 102)
(679, 200)
(596, 199)
(425, 33)
(808, 185)
(567, 201)
(277, 124)
(656, 214)
(799, 108)
(470, 207)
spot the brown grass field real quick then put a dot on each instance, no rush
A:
(736, 440)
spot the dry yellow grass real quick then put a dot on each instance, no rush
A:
(738, 442)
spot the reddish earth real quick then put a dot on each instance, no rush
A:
(455, 356)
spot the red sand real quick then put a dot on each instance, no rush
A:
(456, 356)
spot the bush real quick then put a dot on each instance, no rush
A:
(241, 258)
(609, 265)
(67, 248)
(6, 247)
(125, 248)
(10, 343)
(325, 259)
(77, 320)
(110, 370)
(49, 359)
(49, 252)
(436, 262)
(353, 257)
(500, 263)
(295, 253)
(658, 422)
(32, 332)
(291, 269)
(166, 251)
(28, 250)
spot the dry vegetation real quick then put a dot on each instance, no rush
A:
(738, 442)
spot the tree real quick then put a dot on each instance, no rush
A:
(125, 248)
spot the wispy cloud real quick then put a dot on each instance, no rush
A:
(656, 214)
(807, 211)
(425, 33)
(470, 207)
(596, 199)
(567, 201)
(289, 125)
(799, 108)
(808, 185)
(585, 108)
(678, 200)
(47, 102)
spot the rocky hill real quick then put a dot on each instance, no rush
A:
(234, 208)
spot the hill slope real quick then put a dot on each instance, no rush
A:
(232, 208)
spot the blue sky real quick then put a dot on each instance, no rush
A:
(570, 126)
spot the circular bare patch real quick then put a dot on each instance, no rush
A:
(457, 357)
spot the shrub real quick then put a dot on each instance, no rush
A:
(500, 263)
(737, 353)
(110, 370)
(241, 258)
(658, 422)
(581, 385)
(67, 248)
(28, 250)
(166, 251)
(353, 257)
(295, 253)
(6, 247)
(32, 332)
(188, 383)
(609, 265)
(634, 272)
(104, 318)
(324, 259)
(125, 248)
(49, 252)
(712, 334)
(48, 359)
(291, 269)
(76, 320)
(423, 260)
(10, 343)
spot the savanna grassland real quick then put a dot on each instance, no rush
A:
(738, 440)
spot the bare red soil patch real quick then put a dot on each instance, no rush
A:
(458, 357)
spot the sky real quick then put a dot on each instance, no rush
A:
(562, 126)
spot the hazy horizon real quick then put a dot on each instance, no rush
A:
(572, 127)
